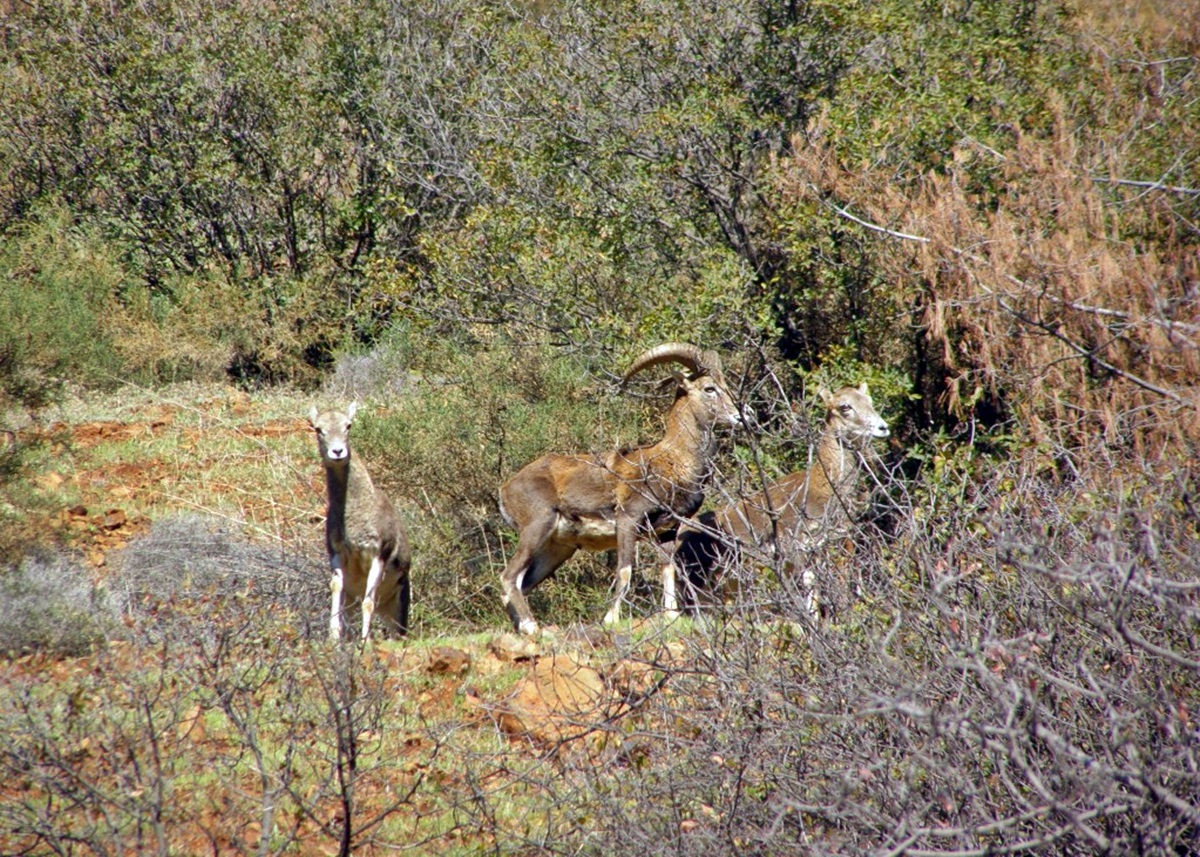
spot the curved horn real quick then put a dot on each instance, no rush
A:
(698, 361)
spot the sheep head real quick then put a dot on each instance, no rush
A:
(704, 382)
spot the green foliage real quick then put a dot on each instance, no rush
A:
(70, 312)
(890, 386)
(191, 156)
(224, 137)
(648, 132)
(621, 195)
(57, 287)
(933, 75)
(590, 174)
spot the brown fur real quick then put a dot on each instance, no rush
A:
(362, 528)
(563, 503)
(798, 512)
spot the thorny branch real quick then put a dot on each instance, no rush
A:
(1052, 330)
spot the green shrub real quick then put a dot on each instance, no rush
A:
(57, 284)
(68, 313)
(207, 326)
(463, 425)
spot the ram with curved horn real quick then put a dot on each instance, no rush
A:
(562, 503)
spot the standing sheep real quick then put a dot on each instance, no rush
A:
(368, 550)
(564, 503)
(797, 513)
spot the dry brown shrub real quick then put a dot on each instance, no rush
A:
(1112, 21)
(1072, 300)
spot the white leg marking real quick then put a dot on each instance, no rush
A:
(613, 616)
(529, 627)
(368, 606)
(810, 592)
(670, 601)
(335, 608)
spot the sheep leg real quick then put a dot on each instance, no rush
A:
(624, 575)
(403, 600)
(811, 597)
(393, 609)
(368, 605)
(527, 559)
(336, 584)
(626, 554)
(666, 551)
(797, 563)
(553, 555)
(670, 601)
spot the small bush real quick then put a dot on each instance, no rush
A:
(49, 604)
(25, 510)
(208, 326)
(185, 561)
(373, 374)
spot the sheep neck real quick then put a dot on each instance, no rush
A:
(349, 485)
(690, 442)
(836, 465)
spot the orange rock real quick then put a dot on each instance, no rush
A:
(446, 660)
(560, 699)
(509, 647)
(114, 519)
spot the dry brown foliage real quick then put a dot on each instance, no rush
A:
(1052, 277)
(1047, 298)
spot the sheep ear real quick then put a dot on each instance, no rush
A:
(352, 410)
(826, 396)
(676, 381)
(312, 416)
(862, 388)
